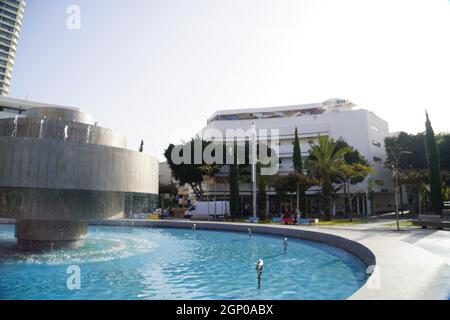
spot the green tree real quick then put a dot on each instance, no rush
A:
(355, 170)
(434, 168)
(410, 152)
(417, 180)
(444, 150)
(407, 160)
(410, 147)
(352, 174)
(325, 159)
(191, 173)
(444, 155)
(167, 194)
(287, 183)
(446, 185)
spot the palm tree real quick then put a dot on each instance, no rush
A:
(325, 159)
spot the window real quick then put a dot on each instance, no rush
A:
(375, 128)
(10, 110)
(376, 159)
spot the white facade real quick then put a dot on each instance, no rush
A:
(336, 118)
(11, 17)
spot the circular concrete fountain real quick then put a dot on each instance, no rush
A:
(58, 170)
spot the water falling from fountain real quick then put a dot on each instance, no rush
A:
(66, 132)
(249, 232)
(14, 129)
(88, 134)
(285, 243)
(41, 127)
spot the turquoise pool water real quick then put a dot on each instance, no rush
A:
(147, 263)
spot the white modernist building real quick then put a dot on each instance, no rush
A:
(11, 17)
(337, 118)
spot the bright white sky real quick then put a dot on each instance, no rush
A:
(158, 69)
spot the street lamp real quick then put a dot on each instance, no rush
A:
(253, 160)
(395, 171)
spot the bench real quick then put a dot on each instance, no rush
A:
(288, 221)
(253, 220)
(304, 222)
(433, 221)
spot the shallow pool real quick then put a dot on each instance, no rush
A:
(150, 263)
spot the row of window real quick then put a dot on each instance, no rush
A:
(10, 21)
(376, 143)
(16, 2)
(375, 128)
(6, 42)
(6, 34)
(6, 27)
(11, 110)
(7, 13)
(4, 55)
(7, 6)
(4, 48)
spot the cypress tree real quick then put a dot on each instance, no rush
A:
(434, 168)
(234, 185)
(298, 167)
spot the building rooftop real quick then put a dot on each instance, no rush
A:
(283, 111)
(19, 104)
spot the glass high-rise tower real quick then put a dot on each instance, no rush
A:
(11, 16)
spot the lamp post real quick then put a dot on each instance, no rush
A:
(253, 161)
(395, 171)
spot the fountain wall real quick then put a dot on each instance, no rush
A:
(59, 169)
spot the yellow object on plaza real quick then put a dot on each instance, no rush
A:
(154, 216)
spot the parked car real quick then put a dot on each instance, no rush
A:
(218, 209)
(447, 205)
